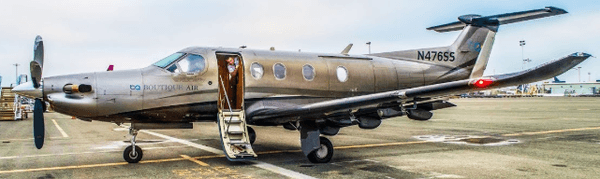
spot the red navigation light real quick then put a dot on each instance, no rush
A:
(483, 83)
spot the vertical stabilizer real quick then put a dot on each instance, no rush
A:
(468, 56)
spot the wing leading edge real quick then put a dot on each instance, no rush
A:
(306, 112)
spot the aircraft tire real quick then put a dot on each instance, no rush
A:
(127, 154)
(323, 154)
(251, 134)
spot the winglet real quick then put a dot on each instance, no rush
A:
(347, 49)
(110, 68)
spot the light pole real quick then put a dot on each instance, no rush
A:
(525, 60)
(16, 73)
(369, 44)
(589, 77)
(522, 44)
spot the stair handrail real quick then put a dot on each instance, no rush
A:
(228, 103)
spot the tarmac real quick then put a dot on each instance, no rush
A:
(550, 137)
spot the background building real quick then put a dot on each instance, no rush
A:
(565, 89)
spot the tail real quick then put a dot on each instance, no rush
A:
(471, 50)
(556, 80)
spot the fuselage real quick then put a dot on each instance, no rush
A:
(156, 94)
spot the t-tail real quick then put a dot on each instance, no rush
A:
(467, 57)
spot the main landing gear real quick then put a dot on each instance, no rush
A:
(322, 154)
(133, 153)
(251, 134)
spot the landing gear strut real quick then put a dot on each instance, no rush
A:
(323, 154)
(133, 154)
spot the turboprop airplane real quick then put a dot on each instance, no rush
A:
(314, 93)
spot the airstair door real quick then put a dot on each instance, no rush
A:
(231, 118)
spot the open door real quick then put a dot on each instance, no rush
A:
(232, 124)
(231, 89)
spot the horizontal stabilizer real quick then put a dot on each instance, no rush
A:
(496, 20)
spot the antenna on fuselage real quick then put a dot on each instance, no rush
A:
(347, 49)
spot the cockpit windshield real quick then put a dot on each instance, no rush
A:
(168, 60)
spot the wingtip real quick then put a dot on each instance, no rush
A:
(556, 10)
(581, 54)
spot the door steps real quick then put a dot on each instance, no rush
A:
(234, 136)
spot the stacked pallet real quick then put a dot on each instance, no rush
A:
(7, 102)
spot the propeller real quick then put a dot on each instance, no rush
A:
(38, 123)
(36, 77)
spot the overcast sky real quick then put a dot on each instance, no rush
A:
(84, 36)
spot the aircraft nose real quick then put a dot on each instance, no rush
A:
(27, 90)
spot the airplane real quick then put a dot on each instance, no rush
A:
(556, 80)
(316, 94)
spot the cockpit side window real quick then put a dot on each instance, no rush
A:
(172, 68)
(168, 60)
(192, 64)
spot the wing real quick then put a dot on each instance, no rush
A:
(319, 109)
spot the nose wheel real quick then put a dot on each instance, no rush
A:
(133, 154)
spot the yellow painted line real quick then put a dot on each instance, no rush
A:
(194, 160)
(278, 151)
(111, 164)
(380, 145)
(551, 131)
(209, 156)
(162, 160)
(63, 168)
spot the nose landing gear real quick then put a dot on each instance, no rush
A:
(133, 154)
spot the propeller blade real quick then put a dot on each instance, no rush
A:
(36, 65)
(38, 123)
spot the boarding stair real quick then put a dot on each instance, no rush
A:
(234, 134)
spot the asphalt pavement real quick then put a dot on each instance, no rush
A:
(551, 137)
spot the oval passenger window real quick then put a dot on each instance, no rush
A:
(342, 73)
(308, 72)
(257, 70)
(279, 71)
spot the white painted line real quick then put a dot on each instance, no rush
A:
(27, 139)
(60, 129)
(80, 153)
(48, 155)
(259, 164)
(279, 170)
(203, 147)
